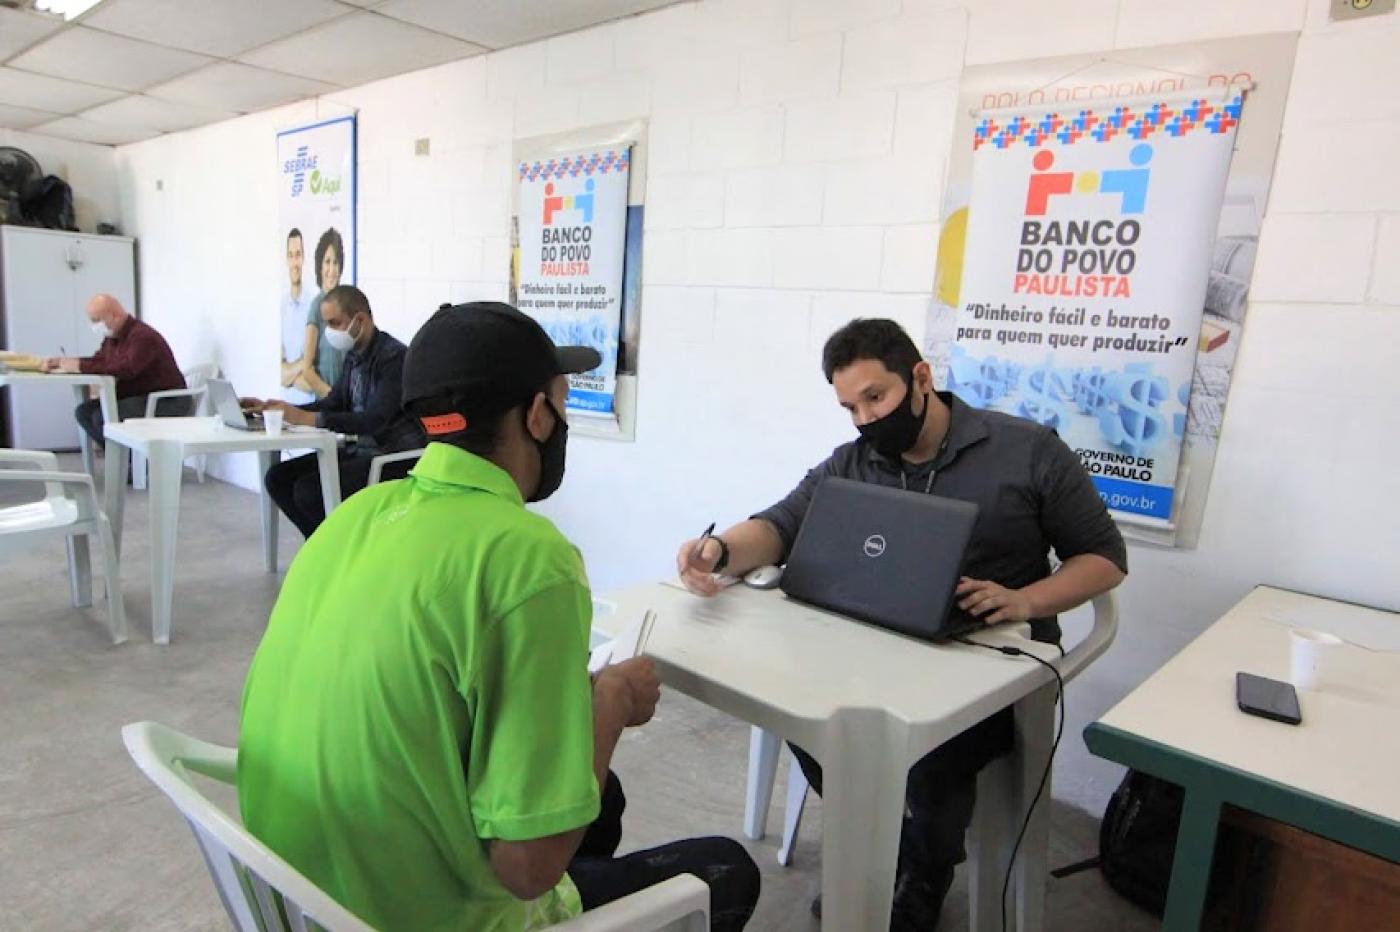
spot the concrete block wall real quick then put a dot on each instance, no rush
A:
(796, 161)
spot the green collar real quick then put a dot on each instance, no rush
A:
(448, 465)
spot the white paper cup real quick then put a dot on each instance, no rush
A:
(1313, 658)
(272, 420)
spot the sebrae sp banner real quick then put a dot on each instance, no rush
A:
(1089, 241)
(316, 236)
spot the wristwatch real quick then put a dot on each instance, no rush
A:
(723, 560)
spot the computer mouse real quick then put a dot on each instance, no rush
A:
(765, 577)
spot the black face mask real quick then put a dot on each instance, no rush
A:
(551, 456)
(898, 431)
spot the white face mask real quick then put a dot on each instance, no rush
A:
(340, 340)
(100, 329)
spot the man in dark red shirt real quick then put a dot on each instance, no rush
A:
(135, 355)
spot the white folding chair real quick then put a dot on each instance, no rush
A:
(69, 509)
(263, 893)
(197, 390)
(376, 465)
(995, 784)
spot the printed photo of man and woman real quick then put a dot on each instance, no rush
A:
(310, 362)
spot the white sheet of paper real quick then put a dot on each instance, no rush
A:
(623, 647)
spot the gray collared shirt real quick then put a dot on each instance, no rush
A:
(1031, 491)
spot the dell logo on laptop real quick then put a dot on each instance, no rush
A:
(874, 545)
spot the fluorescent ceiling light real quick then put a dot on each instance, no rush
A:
(68, 9)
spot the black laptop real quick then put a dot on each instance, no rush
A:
(885, 556)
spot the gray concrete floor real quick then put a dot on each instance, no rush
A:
(86, 843)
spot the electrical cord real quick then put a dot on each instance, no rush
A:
(1055, 746)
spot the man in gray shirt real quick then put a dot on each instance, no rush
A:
(1033, 496)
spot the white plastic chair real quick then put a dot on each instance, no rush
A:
(376, 465)
(994, 784)
(259, 889)
(70, 510)
(197, 390)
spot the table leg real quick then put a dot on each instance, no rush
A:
(164, 463)
(328, 461)
(763, 768)
(266, 460)
(995, 823)
(107, 397)
(863, 784)
(1195, 849)
(80, 570)
(1035, 734)
(114, 489)
(138, 471)
(84, 441)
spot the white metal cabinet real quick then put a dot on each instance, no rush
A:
(46, 279)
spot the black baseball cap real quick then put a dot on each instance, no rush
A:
(480, 359)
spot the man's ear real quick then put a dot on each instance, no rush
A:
(539, 420)
(923, 377)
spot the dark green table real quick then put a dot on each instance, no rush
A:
(1337, 775)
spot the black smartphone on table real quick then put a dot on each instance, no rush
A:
(1271, 699)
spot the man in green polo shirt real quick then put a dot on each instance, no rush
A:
(420, 737)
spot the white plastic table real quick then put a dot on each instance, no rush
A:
(868, 704)
(106, 393)
(166, 442)
(1333, 775)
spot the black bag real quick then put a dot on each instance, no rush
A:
(48, 202)
(1137, 839)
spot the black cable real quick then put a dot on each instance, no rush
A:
(1055, 746)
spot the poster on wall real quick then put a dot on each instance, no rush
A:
(1097, 239)
(316, 237)
(568, 259)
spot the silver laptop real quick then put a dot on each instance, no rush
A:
(225, 401)
(885, 556)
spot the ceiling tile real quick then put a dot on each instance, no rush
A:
(240, 88)
(359, 48)
(112, 61)
(500, 23)
(22, 89)
(19, 30)
(214, 27)
(148, 112)
(84, 131)
(23, 117)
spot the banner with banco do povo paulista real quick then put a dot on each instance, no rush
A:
(571, 230)
(1089, 242)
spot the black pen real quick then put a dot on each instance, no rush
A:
(700, 544)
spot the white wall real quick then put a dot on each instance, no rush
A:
(797, 151)
(89, 169)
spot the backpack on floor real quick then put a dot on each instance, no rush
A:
(1137, 839)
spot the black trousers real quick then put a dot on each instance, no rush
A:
(721, 863)
(939, 797)
(295, 485)
(89, 413)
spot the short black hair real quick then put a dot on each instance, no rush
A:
(871, 338)
(295, 234)
(329, 240)
(349, 299)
